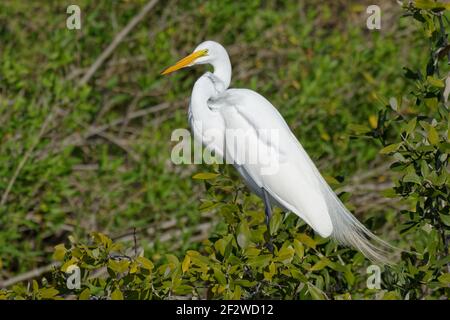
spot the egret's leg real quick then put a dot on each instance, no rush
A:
(268, 212)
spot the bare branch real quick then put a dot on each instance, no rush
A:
(117, 40)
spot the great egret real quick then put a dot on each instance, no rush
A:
(296, 185)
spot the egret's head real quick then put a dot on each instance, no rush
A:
(206, 52)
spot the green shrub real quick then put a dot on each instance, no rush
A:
(414, 131)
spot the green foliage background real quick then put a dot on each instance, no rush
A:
(79, 162)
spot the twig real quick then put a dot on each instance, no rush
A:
(95, 130)
(29, 275)
(77, 139)
(117, 40)
(130, 109)
(118, 142)
(25, 159)
(135, 242)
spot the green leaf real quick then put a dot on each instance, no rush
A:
(424, 169)
(117, 295)
(445, 219)
(183, 289)
(186, 263)
(435, 82)
(200, 260)
(393, 103)
(85, 294)
(331, 180)
(359, 128)
(337, 266)
(72, 261)
(431, 103)
(390, 148)
(445, 278)
(35, 286)
(390, 295)
(432, 135)
(205, 176)
(315, 292)
(48, 293)
(299, 248)
(245, 283)
(445, 146)
(208, 205)
(424, 148)
(411, 125)
(243, 237)
(322, 263)
(220, 245)
(145, 263)
(218, 274)
(260, 261)
(275, 222)
(118, 266)
(349, 276)
(252, 252)
(60, 252)
(100, 238)
(412, 177)
(285, 254)
(237, 293)
(305, 239)
(296, 274)
(172, 259)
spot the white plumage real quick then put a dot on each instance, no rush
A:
(244, 128)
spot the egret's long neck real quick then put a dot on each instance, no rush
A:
(206, 124)
(222, 67)
(203, 90)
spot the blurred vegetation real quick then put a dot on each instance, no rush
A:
(94, 159)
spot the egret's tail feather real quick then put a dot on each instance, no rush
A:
(347, 230)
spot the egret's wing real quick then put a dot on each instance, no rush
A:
(257, 111)
(297, 185)
(287, 178)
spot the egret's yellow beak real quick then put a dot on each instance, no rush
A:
(185, 62)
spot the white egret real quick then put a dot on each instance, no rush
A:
(296, 185)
